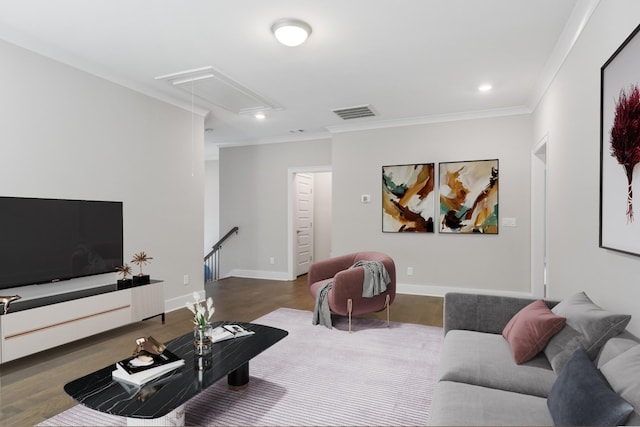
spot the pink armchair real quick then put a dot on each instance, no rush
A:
(345, 297)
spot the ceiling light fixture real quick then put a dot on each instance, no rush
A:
(260, 116)
(485, 88)
(291, 32)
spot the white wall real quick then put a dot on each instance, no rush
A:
(67, 134)
(440, 262)
(570, 115)
(254, 196)
(211, 204)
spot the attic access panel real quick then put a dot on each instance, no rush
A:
(214, 87)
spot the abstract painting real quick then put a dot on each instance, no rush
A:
(620, 148)
(408, 200)
(469, 197)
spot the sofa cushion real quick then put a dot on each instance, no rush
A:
(530, 329)
(587, 326)
(616, 346)
(481, 312)
(485, 359)
(622, 373)
(582, 397)
(458, 404)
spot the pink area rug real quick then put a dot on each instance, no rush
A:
(321, 377)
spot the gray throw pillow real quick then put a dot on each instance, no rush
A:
(581, 396)
(587, 326)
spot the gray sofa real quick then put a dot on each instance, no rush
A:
(480, 384)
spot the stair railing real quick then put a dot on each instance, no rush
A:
(212, 259)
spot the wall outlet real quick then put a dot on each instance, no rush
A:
(185, 279)
(409, 271)
(365, 198)
(272, 260)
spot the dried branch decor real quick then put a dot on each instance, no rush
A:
(625, 138)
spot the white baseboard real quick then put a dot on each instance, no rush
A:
(180, 301)
(439, 291)
(401, 288)
(259, 274)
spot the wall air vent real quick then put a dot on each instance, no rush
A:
(214, 87)
(355, 112)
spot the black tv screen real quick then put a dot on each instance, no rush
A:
(48, 240)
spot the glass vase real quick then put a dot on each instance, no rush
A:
(202, 340)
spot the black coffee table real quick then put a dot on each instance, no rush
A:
(163, 395)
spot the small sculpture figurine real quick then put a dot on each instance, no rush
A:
(124, 270)
(7, 300)
(149, 345)
(141, 258)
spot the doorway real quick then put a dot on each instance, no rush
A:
(539, 234)
(309, 218)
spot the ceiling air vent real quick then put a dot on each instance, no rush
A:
(355, 112)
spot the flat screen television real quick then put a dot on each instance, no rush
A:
(49, 240)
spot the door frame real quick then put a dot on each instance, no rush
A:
(540, 219)
(291, 202)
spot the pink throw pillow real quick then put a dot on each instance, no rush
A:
(530, 329)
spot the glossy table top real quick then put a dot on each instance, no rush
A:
(27, 304)
(157, 398)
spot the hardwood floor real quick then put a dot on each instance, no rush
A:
(31, 388)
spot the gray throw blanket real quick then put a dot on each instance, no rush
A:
(376, 279)
(321, 311)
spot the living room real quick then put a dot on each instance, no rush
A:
(78, 132)
(566, 122)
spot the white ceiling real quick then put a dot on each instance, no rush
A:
(413, 61)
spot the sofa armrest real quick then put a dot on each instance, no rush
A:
(482, 313)
(326, 269)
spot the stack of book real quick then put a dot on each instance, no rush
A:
(225, 332)
(138, 370)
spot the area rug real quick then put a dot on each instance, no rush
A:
(318, 376)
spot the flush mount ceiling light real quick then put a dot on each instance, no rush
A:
(291, 32)
(485, 88)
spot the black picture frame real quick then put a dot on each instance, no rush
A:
(478, 182)
(619, 228)
(408, 198)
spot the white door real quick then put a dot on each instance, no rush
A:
(304, 222)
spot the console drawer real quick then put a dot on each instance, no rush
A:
(37, 329)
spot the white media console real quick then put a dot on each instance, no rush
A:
(42, 323)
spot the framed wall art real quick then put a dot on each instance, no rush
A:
(408, 200)
(620, 148)
(469, 197)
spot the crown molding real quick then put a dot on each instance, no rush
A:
(578, 19)
(81, 64)
(436, 118)
(275, 139)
